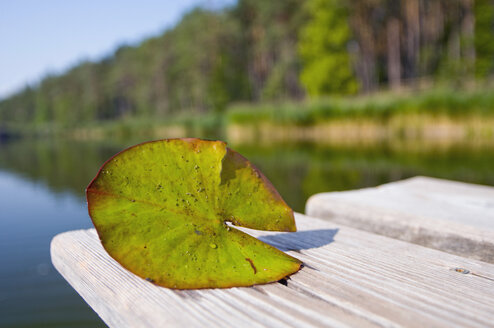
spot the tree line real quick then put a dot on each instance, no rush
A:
(267, 50)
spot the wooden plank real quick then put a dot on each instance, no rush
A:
(350, 278)
(450, 216)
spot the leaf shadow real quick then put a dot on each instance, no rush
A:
(300, 240)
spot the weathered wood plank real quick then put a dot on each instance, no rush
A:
(351, 278)
(451, 216)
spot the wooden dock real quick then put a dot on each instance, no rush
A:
(350, 278)
(451, 216)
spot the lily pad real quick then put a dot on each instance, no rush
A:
(165, 210)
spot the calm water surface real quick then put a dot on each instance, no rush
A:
(42, 193)
(32, 294)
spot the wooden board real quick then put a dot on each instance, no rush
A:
(451, 216)
(350, 278)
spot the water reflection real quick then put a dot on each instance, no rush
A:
(297, 171)
(61, 165)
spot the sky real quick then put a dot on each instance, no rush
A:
(38, 37)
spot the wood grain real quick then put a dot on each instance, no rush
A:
(350, 278)
(450, 216)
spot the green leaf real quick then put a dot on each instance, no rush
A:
(161, 210)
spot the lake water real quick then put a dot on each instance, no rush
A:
(42, 193)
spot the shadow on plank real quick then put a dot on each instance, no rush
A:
(296, 241)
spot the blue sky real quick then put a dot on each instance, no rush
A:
(48, 36)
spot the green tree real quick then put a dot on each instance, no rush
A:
(323, 47)
(484, 37)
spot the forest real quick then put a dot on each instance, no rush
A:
(263, 51)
